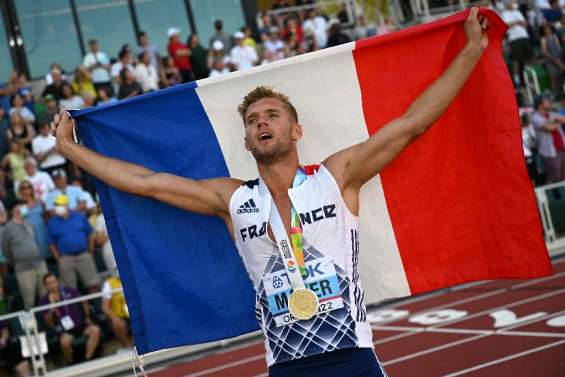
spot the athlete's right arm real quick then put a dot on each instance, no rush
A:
(209, 197)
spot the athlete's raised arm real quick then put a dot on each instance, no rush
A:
(354, 166)
(209, 197)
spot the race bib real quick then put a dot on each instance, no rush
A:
(321, 278)
(67, 323)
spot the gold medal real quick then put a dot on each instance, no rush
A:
(303, 303)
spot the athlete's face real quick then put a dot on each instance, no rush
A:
(270, 132)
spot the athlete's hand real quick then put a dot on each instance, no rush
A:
(476, 28)
(62, 128)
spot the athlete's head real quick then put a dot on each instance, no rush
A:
(271, 125)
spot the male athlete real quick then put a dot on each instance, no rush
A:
(337, 339)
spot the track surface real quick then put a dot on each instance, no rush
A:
(496, 328)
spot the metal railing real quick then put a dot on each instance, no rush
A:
(545, 214)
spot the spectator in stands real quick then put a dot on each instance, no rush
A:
(104, 97)
(98, 64)
(4, 125)
(103, 240)
(551, 138)
(21, 251)
(20, 131)
(217, 53)
(222, 36)
(248, 38)
(10, 349)
(70, 100)
(3, 222)
(553, 58)
(518, 38)
(317, 25)
(292, 28)
(268, 57)
(266, 25)
(89, 100)
(529, 145)
(362, 29)
(49, 76)
(56, 87)
(14, 161)
(115, 308)
(170, 72)
(7, 89)
(128, 86)
(41, 181)
(198, 57)
(335, 36)
(75, 196)
(52, 108)
(82, 83)
(69, 321)
(89, 202)
(18, 105)
(180, 54)
(34, 214)
(146, 74)
(43, 148)
(144, 45)
(219, 68)
(241, 56)
(72, 246)
(554, 13)
(124, 61)
(25, 91)
(274, 44)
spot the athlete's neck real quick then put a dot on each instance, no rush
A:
(279, 176)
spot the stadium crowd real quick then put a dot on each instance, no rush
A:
(52, 232)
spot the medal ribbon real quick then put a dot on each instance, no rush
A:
(296, 227)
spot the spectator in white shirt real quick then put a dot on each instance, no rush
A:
(41, 181)
(274, 45)
(518, 38)
(242, 56)
(70, 101)
(43, 149)
(17, 103)
(125, 61)
(318, 26)
(219, 68)
(146, 74)
(98, 64)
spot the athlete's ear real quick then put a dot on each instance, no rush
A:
(297, 131)
(247, 147)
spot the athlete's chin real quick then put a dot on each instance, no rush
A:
(268, 156)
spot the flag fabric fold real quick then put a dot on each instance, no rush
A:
(455, 206)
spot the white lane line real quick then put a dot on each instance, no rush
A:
(262, 374)
(226, 366)
(538, 334)
(434, 349)
(507, 358)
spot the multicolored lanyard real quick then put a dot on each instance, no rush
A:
(296, 227)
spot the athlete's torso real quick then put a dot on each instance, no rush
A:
(331, 249)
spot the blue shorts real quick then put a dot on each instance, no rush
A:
(352, 362)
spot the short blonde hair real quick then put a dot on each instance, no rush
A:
(261, 92)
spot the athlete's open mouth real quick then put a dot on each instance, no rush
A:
(265, 136)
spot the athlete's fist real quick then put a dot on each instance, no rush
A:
(476, 28)
(62, 128)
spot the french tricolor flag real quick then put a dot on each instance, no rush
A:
(455, 206)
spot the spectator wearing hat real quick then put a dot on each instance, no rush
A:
(56, 87)
(74, 195)
(551, 138)
(21, 251)
(180, 54)
(242, 56)
(41, 181)
(72, 246)
(33, 211)
(70, 320)
(43, 150)
(222, 36)
(217, 53)
(98, 64)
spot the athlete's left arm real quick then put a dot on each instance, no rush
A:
(354, 166)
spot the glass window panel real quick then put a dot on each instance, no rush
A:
(108, 21)
(6, 67)
(49, 35)
(156, 16)
(207, 11)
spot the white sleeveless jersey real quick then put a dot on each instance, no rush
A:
(331, 250)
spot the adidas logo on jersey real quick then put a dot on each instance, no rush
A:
(247, 207)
